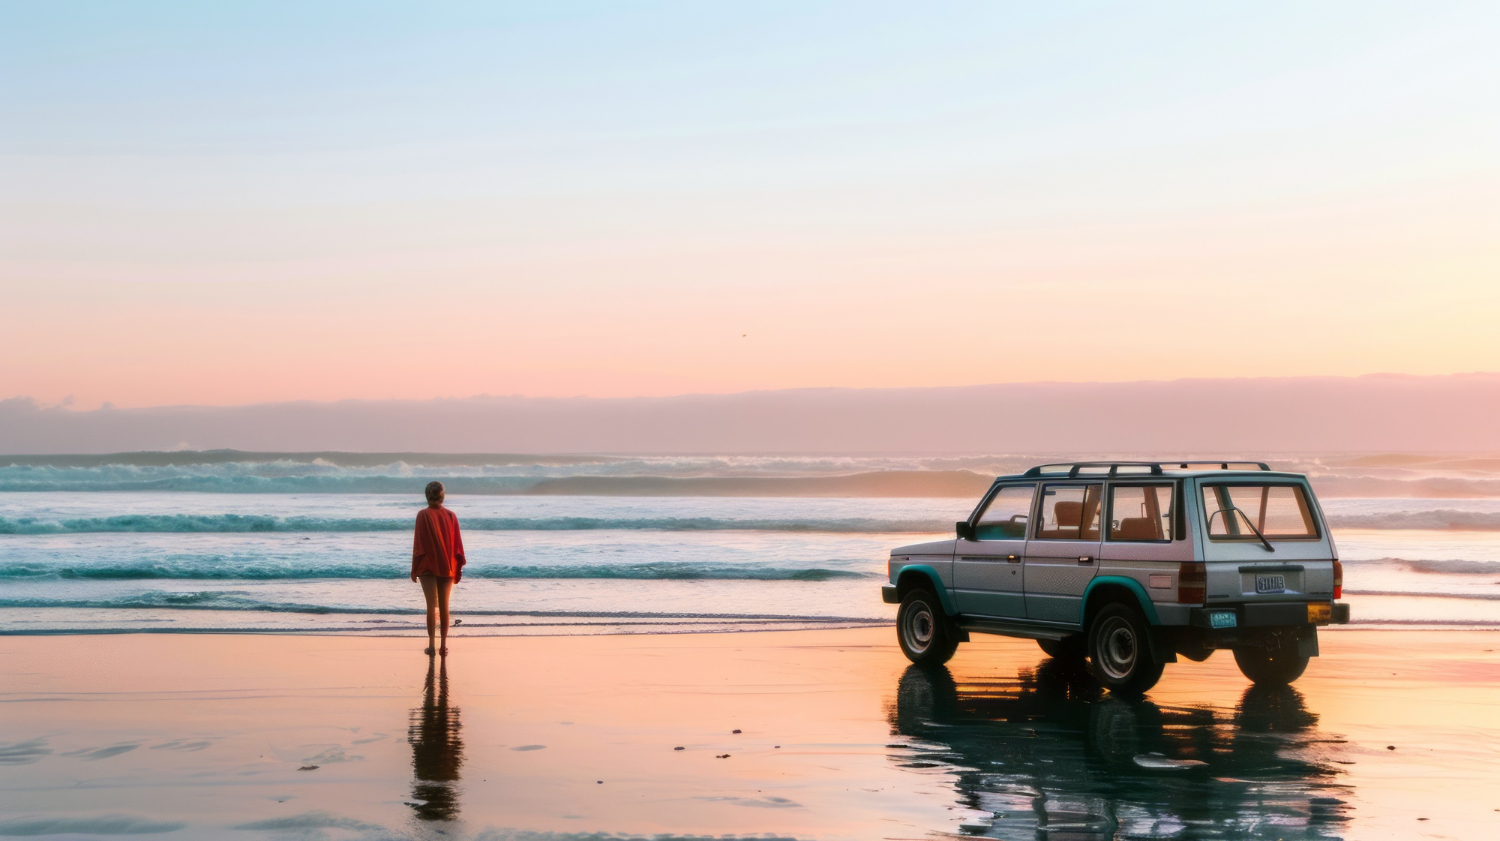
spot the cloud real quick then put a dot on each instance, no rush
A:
(1191, 417)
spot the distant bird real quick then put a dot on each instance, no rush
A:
(456, 622)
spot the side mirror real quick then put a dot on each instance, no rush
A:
(965, 531)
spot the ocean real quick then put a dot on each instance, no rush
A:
(320, 543)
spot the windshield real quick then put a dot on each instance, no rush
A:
(1278, 512)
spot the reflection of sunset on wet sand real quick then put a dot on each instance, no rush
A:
(840, 739)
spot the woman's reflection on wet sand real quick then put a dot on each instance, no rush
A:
(1050, 752)
(437, 750)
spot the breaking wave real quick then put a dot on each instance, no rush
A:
(228, 471)
(1443, 623)
(247, 523)
(541, 477)
(1437, 520)
(130, 479)
(1451, 567)
(233, 600)
(216, 569)
(1482, 597)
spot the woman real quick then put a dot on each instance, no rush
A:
(437, 560)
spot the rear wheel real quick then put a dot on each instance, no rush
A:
(1120, 651)
(926, 634)
(1267, 667)
(1069, 650)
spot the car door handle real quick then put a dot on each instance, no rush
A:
(1085, 559)
(1015, 559)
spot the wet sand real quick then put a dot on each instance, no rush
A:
(1391, 734)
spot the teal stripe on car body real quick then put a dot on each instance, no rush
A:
(1131, 584)
(935, 582)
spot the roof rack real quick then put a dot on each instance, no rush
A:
(1214, 464)
(1111, 469)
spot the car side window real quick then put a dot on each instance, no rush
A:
(1069, 512)
(1140, 512)
(1006, 516)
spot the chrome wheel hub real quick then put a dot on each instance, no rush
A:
(1117, 649)
(919, 627)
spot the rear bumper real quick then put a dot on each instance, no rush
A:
(1271, 615)
(888, 594)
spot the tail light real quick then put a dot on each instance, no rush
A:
(1338, 580)
(1192, 583)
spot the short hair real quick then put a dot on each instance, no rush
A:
(434, 490)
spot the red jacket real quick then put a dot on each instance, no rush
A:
(438, 548)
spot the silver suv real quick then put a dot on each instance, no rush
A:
(1125, 565)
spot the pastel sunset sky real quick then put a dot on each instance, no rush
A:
(225, 204)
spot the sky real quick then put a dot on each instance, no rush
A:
(226, 204)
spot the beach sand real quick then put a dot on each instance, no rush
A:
(1391, 734)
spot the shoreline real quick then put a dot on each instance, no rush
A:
(679, 625)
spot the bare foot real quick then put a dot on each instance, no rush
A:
(427, 651)
(443, 651)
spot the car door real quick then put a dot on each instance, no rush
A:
(987, 569)
(1063, 551)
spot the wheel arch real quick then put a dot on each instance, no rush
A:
(1110, 588)
(922, 575)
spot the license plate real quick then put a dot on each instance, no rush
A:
(1270, 583)
(1319, 614)
(1222, 619)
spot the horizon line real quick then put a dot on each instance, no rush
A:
(66, 404)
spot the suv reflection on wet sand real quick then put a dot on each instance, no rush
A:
(1126, 565)
(1049, 754)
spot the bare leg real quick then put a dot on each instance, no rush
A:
(444, 589)
(430, 593)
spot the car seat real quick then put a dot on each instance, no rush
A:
(1137, 528)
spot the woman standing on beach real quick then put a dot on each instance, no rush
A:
(437, 560)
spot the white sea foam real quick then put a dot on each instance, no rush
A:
(247, 523)
(405, 473)
(323, 559)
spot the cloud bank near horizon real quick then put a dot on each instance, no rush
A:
(1189, 417)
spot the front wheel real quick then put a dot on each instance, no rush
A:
(924, 630)
(1265, 667)
(1120, 650)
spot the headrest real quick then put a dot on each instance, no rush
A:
(1137, 528)
(1067, 514)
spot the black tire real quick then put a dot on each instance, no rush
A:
(1069, 650)
(1119, 650)
(926, 634)
(1267, 667)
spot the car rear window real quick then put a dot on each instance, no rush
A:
(1278, 512)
